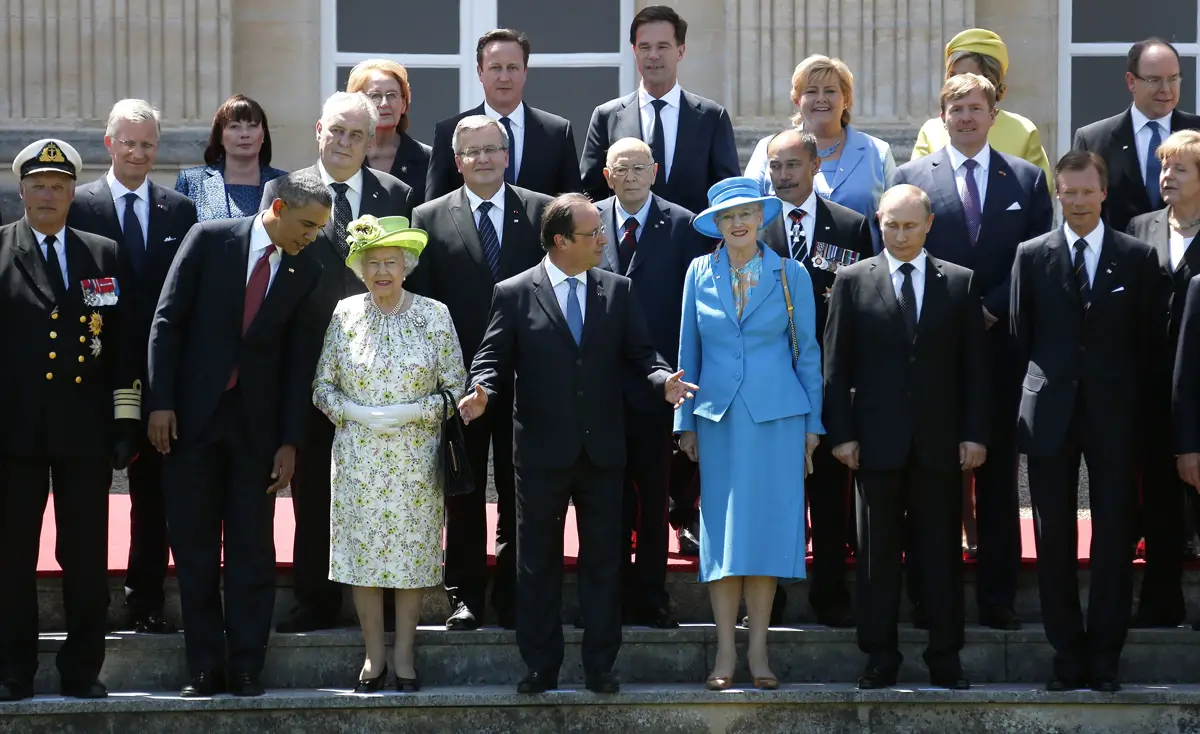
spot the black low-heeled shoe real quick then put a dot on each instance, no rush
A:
(409, 685)
(373, 685)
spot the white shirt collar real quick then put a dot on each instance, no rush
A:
(983, 157)
(516, 119)
(119, 190)
(809, 206)
(1094, 239)
(918, 262)
(59, 239)
(259, 238)
(641, 215)
(1140, 120)
(355, 182)
(671, 97)
(475, 200)
(557, 276)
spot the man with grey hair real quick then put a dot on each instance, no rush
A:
(344, 131)
(148, 222)
(230, 390)
(479, 234)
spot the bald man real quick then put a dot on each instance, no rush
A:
(905, 332)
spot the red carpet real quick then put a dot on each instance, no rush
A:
(118, 539)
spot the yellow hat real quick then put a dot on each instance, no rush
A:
(980, 41)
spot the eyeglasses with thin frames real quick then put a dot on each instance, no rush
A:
(593, 234)
(471, 154)
(1160, 81)
(378, 99)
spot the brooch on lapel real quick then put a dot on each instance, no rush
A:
(100, 292)
(403, 169)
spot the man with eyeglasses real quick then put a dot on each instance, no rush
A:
(344, 132)
(651, 242)
(147, 222)
(479, 234)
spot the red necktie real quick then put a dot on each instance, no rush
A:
(256, 293)
(628, 242)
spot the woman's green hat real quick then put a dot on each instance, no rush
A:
(368, 233)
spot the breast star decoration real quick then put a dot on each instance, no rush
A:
(96, 325)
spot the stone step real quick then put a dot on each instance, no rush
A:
(489, 656)
(662, 709)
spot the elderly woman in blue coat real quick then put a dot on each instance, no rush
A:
(748, 338)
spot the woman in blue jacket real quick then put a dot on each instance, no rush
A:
(756, 418)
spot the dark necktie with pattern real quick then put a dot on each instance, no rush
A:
(798, 241)
(908, 300)
(1081, 274)
(510, 172)
(658, 142)
(342, 216)
(628, 243)
(135, 242)
(1153, 167)
(971, 202)
(489, 240)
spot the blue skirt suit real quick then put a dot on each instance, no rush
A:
(750, 415)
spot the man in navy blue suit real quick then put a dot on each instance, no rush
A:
(985, 204)
(651, 243)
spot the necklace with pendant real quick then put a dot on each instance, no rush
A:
(826, 152)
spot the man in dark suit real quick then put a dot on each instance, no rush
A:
(343, 133)
(825, 237)
(1083, 305)
(905, 333)
(1185, 395)
(230, 387)
(148, 222)
(985, 203)
(691, 137)
(1127, 142)
(480, 234)
(652, 244)
(72, 413)
(569, 352)
(541, 154)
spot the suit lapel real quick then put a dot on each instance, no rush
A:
(1059, 266)
(546, 299)
(771, 266)
(646, 243)
(629, 120)
(77, 266)
(852, 155)
(518, 230)
(535, 140)
(1126, 159)
(887, 293)
(723, 283)
(29, 260)
(1159, 237)
(595, 309)
(935, 299)
(688, 130)
(239, 244)
(998, 196)
(775, 234)
(464, 221)
(101, 201)
(610, 259)
(372, 197)
(947, 187)
(1106, 267)
(214, 186)
(280, 292)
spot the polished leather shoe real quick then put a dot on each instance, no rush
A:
(657, 618)
(1060, 683)
(305, 621)
(153, 624)
(93, 689)
(603, 682)
(373, 685)
(955, 681)
(462, 620)
(245, 685)
(873, 678)
(1000, 618)
(689, 539)
(1105, 684)
(11, 690)
(537, 681)
(205, 685)
(409, 685)
(836, 616)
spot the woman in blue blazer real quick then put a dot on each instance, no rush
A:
(756, 418)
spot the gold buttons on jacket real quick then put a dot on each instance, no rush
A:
(49, 375)
(81, 358)
(83, 340)
(54, 335)
(53, 355)
(54, 316)
(78, 380)
(83, 319)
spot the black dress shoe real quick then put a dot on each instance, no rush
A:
(1060, 683)
(955, 681)
(837, 616)
(1105, 684)
(94, 689)
(306, 621)
(11, 690)
(873, 678)
(245, 685)
(152, 624)
(463, 619)
(536, 681)
(372, 685)
(409, 685)
(603, 682)
(689, 539)
(1000, 618)
(205, 685)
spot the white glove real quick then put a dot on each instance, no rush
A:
(400, 413)
(372, 418)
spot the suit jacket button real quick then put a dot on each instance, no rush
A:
(737, 355)
(83, 319)
(737, 375)
(912, 358)
(53, 355)
(49, 375)
(83, 340)
(54, 335)
(78, 380)
(81, 358)
(579, 363)
(54, 316)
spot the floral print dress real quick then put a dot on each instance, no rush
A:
(386, 514)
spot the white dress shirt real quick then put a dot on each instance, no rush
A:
(516, 146)
(1091, 256)
(670, 121)
(808, 223)
(354, 194)
(623, 216)
(1142, 134)
(141, 207)
(259, 242)
(558, 281)
(917, 276)
(1179, 245)
(983, 158)
(60, 247)
(496, 213)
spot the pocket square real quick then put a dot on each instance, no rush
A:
(1013, 207)
(168, 239)
(1118, 289)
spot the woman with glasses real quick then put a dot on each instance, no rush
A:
(748, 339)
(392, 150)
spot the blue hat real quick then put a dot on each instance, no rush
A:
(733, 192)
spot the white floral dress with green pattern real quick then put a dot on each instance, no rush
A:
(386, 513)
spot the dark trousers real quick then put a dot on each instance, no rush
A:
(218, 482)
(81, 549)
(542, 500)
(466, 516)
(315, 593)
(932, 501)
(1054, 485)
(685, 490)
(1162, 517)
(828, 493)
(148, 547)
(648, 445)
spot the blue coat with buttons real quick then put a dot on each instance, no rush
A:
(752, 357)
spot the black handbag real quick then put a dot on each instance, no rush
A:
(456, 472)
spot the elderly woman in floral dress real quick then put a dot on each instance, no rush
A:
(388, 354)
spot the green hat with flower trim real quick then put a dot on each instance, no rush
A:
(368, 233)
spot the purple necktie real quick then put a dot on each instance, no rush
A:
(971, 201)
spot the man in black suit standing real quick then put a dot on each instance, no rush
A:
(230, 388)
(1127, 142)
(343, 133)
(148, 222)
(1083, 303)
(985, 203)
(541, 154)
(569, 351)
(652, 244)
(72, 414)
(905, 333)
(479, 234)
(691, 137)
(824, 237)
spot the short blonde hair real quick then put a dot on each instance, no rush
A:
(961, 85)
(358, 80)
(1181, 143)
(821, 66)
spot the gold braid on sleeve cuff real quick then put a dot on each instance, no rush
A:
(127, 402)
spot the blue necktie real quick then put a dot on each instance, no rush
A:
(1153, 167)
(489, 240)
(574, 313)
(658, 142)
(135, 242)
(510, 173)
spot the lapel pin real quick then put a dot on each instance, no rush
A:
(1002, 173)
(291, 270)
(403, 169)
(516, 221)
(1124, 147)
